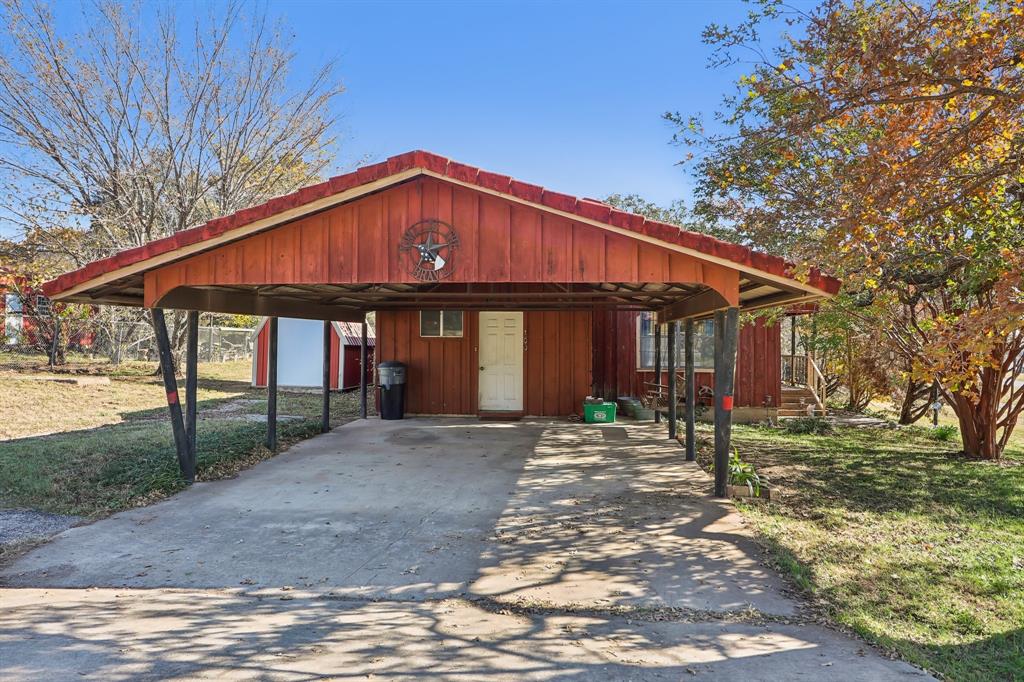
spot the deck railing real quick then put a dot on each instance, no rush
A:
(794, 370)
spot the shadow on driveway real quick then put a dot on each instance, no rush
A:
(441, 548)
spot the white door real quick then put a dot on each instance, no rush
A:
(501, 361)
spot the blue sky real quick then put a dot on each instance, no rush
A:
(564, 94)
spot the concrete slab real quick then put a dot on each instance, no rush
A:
(173, 635)
(428, 547)
(540, 511)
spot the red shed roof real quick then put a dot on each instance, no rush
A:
(135, 260)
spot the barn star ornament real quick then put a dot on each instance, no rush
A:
(430, 246)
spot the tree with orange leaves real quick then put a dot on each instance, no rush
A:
(884, 140)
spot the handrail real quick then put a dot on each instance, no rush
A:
(816, 382)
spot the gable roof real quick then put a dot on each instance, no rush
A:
(400, 168)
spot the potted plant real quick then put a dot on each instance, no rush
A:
(744, 481)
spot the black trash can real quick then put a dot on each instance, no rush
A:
(391, 379)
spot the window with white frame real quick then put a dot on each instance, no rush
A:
(42, 306)
(441, 323)
(703, 344)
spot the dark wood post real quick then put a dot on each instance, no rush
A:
(673, 334)
(726, 337)
(657, 370)
(690, 394)
(362, 371)
(325, 406)
(163, 345)
(191, 381)
(272, 387)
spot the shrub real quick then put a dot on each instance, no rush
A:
(944, 433)
(807, 425)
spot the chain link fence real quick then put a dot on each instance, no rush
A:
(216, 344)
(116, 342)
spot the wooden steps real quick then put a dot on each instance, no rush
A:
(796, 400)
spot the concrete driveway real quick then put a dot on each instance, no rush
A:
(440, 549)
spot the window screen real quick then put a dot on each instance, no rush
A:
(435, 323)
(703, 344)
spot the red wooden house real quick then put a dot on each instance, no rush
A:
(502, 296)
(19, 320)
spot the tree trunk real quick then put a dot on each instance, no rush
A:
(978, 426)
(910, 409)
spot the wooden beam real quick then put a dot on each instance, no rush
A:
(673, 336)
(726, 338)
(325, 405)
(657, 367)
(191, 381)
(707, 301)
(131, 301)
(272, 386)
(690, 393)
(251, 303)
(514, 305)
(362, 371)
(163, 345)
(503, 295)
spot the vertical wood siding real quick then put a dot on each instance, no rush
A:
(443, 372)
(500, 241)
(335, 359)
(557, 363)
(758, 361)
(262, 348)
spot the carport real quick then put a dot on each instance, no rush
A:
(420, 232)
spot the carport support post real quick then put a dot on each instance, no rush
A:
(325, 407)
(362, 371)
(726, 335)
(272, 387)
(163, 345)
(673, 337)
(191, 381)
(657, 371)
(690, 393)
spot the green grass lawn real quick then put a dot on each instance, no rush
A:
(893, 535)
(109, 447)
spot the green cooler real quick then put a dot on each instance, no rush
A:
(600, 413)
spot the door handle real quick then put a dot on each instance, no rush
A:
(481, 368)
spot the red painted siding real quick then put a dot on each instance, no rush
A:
(758, 360)
(351, 375)
(557, 362)
(443, 372)
(500, 241)
(335, 358)
(262, 350)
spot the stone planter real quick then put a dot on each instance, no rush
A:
(643, 413)
(744, 492)
(632, 406)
